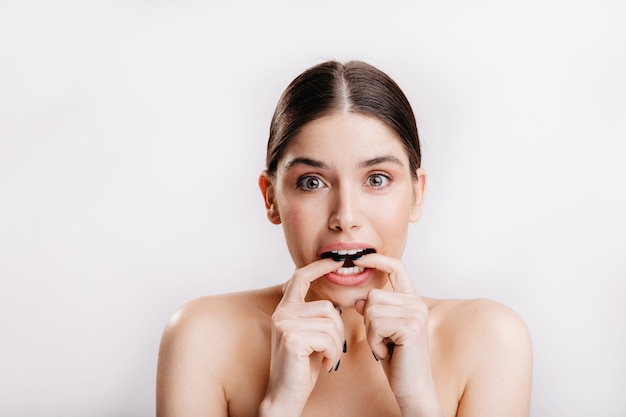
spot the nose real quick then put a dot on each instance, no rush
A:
(345, 213)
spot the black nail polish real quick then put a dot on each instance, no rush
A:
(363, 253)
(345, 346)
(337, 367)
(340, 258)
(375, 357)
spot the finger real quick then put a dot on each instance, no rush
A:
(311, 309)
(305, 343)
(327, 347)
(312, 316)
(300, 282)
(359, 306)
(398, 276)
(382, 336)
(378, 297)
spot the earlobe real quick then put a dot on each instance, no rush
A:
(268, 191)
(419, 188)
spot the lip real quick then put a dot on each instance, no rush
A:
(344, 246)
(349, 280)
(346, 280)
(352, 254)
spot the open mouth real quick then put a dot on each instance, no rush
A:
(352, 274)
(347, 255)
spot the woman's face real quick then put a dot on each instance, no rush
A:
(344, 184)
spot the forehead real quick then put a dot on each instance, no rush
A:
(344, 137)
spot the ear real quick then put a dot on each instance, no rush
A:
(269, 196)
(419, 188)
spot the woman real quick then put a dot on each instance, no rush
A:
(348, 334)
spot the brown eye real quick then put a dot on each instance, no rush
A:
(377, 180)
(309, 183)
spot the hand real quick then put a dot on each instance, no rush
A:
(396, 325)
(307, 338)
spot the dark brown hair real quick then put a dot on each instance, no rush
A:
(354, 87)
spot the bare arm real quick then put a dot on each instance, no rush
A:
(189, 381)
(500, 363)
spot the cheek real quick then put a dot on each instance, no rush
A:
(394, 212)
(297, 218)
(391, 218)
(300, 225)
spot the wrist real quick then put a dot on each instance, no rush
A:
(276, 408)
(424, 404)
(425, 408)
(422, 412)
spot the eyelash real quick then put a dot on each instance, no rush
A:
(388, 177)
(300, 182)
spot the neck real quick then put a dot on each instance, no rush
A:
(354, 326)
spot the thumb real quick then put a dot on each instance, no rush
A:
(359, 306)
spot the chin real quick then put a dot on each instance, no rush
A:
(347, 298)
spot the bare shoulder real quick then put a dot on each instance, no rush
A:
(200, 346)
(225, 316)
(492, 349)
(478, 321)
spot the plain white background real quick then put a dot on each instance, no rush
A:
(132, 134)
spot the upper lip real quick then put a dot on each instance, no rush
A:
(341, 246)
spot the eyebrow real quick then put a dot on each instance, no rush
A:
(306, 161)
(380, 160)
(365, 164)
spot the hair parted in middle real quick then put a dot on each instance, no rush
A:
(332, 87)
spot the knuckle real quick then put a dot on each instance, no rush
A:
(281, 319)
(297, 275)
(374, 295)
(372, 310)
(291, 341)
(421, 310)
(278, 315)
(328, 326)
(326, 306)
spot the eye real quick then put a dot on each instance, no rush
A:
(377, 180)
(309, 183)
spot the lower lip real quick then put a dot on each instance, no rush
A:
(349, 280)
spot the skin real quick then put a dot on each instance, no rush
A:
(344, 180)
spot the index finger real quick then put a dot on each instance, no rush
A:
(300, 282)
(398, 275)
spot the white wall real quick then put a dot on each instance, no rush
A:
(132, 133)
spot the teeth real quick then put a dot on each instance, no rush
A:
(347, 251)
(342, 254)
(350, 271)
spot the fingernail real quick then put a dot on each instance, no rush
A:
(375, 357)
(345, 346)
(337, 367)
(339, 310)
(362, 253)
